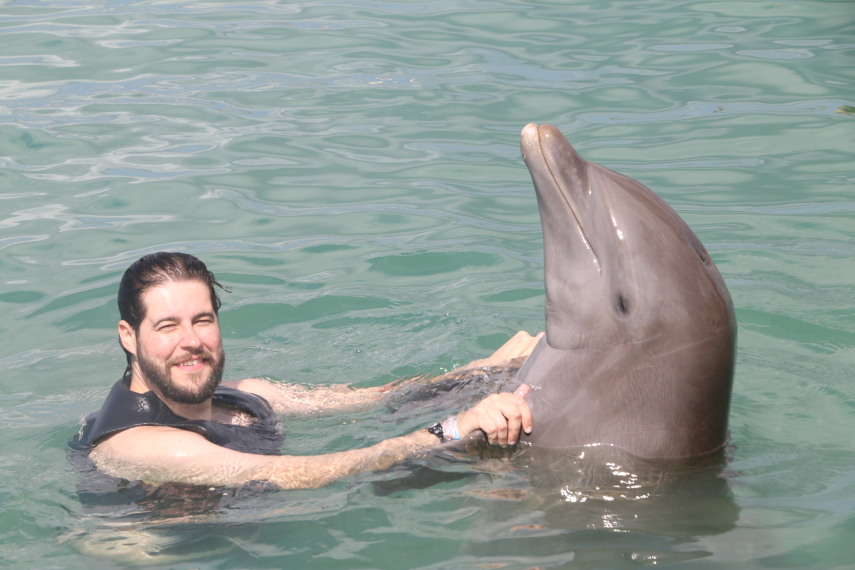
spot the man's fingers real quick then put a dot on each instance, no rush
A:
(514, 425)
(515, 415)
(501, 431)
(526, 421)
(499, 416)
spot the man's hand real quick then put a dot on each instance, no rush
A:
(499, 416)
(519, 346)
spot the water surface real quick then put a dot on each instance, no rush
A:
(351, 171)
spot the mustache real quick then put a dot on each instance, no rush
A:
(205, 356)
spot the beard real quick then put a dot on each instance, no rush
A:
(159, 376)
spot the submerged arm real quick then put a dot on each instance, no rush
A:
(294, 398)
(286, 398)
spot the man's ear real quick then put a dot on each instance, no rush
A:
(128, 337)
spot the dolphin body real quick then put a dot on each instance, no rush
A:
(640, 330)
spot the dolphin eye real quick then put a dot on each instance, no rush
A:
(622, 305)
(700, 250)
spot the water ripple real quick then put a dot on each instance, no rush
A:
(353, 168)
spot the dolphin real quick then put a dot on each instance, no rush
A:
(640, 330)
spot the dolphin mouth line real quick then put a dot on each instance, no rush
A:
(561, 191)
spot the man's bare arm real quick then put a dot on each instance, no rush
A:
(286, 398)
(162, 454)
(293, 398)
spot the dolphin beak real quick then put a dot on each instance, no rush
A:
(573, 272)
(563, 191)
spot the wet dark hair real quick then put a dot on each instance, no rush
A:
(156, 269)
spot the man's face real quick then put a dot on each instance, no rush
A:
(178, 346)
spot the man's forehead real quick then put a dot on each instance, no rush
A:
(186, 295)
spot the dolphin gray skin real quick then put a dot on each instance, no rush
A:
(640, 331)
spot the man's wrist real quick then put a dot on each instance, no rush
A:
(450, 428)
(446, 430)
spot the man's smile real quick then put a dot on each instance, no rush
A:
(193, 364)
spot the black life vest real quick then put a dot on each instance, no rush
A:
(124, 409)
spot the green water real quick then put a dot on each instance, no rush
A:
(351, 171)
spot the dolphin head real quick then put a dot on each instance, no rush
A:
(619, 260)
(640, 330)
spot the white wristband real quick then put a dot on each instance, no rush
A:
(449, 428)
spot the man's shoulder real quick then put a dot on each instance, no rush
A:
(246, 384)
(257, 387)
(121, 409)
(150, 440)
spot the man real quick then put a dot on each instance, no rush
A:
(172, 419)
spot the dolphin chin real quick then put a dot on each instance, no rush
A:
(640, 330)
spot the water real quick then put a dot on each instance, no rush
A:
(350, 170)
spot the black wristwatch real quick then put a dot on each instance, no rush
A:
(436, 429)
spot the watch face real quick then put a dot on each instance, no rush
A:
(436, 429)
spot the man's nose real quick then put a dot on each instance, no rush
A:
(190, 337)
